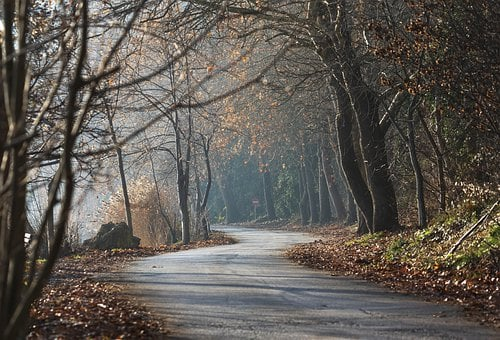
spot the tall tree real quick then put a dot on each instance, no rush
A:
(76, 47)
(71, 80)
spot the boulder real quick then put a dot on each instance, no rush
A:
(113, 235)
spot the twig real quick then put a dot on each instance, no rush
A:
(471, 230)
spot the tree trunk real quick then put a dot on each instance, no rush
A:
(121, 169)
(183, 166)
(268, 195)
(385, 213)
(311, 192)
(362, 224)
(439, 156)
(233, 214)
(365, 107)
(332, 184)
(163, 213)
(304, 201)
(356, 104)
(352, 210)
(184, 207)
(325, 211)
(419, 178)
(203, 207)
(441, 161)
(183, 157)
(50, 221)
(348, 158)
(183, 192)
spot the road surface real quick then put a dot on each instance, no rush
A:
(249, 291)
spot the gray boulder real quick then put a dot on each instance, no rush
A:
(113, 235)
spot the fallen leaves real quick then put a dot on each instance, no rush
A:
(77, 304)
(341, 252)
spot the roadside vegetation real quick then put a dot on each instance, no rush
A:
(435, 262)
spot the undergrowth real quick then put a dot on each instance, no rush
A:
(420, 261)
(429, 248)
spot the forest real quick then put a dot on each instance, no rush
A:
(174, 116)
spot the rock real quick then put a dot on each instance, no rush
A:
(113, 235)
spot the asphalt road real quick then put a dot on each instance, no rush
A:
(249, 291)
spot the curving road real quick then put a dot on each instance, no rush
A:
(249, 291)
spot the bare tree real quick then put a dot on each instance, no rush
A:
(18, 288)
(74, 72)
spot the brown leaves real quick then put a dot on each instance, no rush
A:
(77, 304)
(83, 308)
(341, 252)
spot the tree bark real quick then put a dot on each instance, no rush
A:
(121, 169)
(356, 104)
(50, 220)
(332, 183)
(325, 211)
(439, 156)
(419, 178)
(372, 141)
(183, 191)
(371, 137)
(268, 194)
(233, 214)
(349, 160)
(441, 161)
(203, 206)
(311, 192)
(304, 201)
(352, 210)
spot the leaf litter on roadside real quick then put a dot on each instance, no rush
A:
(76, 304)
(378, 258)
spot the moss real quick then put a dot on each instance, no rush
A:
(366, 239)
(396, 249)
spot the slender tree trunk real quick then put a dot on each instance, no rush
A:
(325, 211)
(332, 183)
(163, 213)
(304, 201)
(50, 221)
(441, 161)
(439, 156)
(419, 178)
(205, 218)
(183, 157)
(197, 201)
(183, 191)
(183, 166)
(311, 192)
(121, 169)
(268, 194)
(184, 207)
(123, 180)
